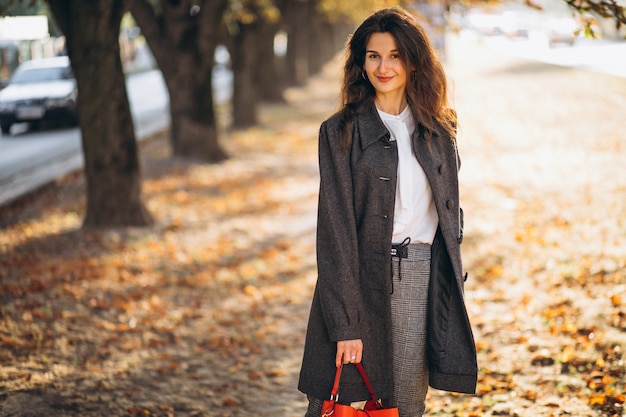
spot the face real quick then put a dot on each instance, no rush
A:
(383, 65)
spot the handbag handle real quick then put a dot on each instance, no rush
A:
(334, 394)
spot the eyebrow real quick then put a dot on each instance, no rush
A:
(371, 50)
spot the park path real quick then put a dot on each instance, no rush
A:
(204, 313)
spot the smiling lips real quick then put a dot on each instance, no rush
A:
(384, 79)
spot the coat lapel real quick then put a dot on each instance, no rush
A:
(426, 153)
(370, 127)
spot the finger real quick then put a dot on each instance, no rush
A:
(358, 354)
(339, 358)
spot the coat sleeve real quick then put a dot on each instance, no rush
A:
(337, 249)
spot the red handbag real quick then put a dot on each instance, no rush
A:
(373, 407)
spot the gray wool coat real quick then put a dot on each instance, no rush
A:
(352, 295)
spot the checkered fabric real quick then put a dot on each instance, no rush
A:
(409, 302)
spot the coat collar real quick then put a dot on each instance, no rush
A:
(371, 127)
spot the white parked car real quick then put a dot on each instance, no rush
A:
(41, 89)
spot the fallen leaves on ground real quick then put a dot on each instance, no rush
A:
(204, 313)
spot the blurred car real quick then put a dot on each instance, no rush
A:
(561, 31)
(41, 89)
(514, 25)
(485, 24)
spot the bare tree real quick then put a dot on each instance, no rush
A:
(589, 9)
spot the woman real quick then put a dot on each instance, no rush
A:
(390, 284)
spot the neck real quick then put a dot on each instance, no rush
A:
(391, 105)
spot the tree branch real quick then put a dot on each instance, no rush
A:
(589, 9)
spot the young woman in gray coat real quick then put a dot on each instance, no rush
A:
(389, 293)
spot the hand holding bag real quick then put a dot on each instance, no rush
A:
(373, 407)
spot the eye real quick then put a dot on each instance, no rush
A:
(372, 56)
(395, 56)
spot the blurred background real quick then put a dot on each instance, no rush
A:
(158, 196)
(256, 51)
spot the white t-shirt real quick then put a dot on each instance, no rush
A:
(415, 213)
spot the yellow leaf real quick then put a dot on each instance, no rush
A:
(569, 327)
(568, 354)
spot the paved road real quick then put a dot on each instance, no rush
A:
(599, 55)
(31, 159)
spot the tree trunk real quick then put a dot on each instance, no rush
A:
(322, 44)
(315, 59)
(270, 73)
(341, 32)
(246, 63)
(327, 41)
(298, 33)
(182, 38)
(194, 127)
(108, 139)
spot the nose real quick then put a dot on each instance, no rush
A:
(383, 65)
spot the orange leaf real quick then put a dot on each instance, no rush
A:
(597, 399)
(254, 375)
(274, 373)
(530, 395)
(229, 402)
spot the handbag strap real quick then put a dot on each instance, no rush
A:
(367, 382)
(334, 394)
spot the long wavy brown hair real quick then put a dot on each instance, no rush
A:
(426, 84)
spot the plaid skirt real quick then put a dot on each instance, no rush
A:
(409, 302)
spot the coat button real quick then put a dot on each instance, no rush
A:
(450, 204)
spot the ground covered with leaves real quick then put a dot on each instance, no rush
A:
(204, 313)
